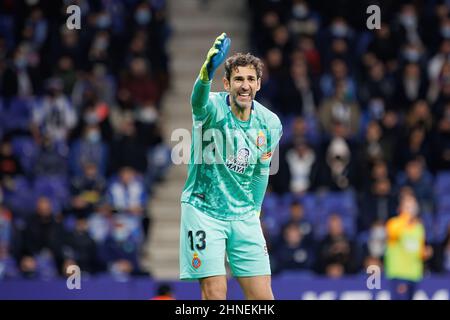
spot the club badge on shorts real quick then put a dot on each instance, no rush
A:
(196, 262)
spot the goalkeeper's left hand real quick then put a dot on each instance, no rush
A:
(216, 55)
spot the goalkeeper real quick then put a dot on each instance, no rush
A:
(227, 178)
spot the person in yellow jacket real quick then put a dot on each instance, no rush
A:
(405, 249)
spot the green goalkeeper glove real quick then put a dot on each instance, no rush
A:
(216, 55)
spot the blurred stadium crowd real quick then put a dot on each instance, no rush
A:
(366, 117)
(81, 146)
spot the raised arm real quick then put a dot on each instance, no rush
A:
(262, 169)
(215, 57)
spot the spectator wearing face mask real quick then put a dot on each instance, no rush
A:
(340, 108)
(90, 148)
(407, 27)
(53, 116)
(375, 246)
(419, 179)
(303, 20)
(411, 86)
(87, 190)
(334, 169)
(94, 111)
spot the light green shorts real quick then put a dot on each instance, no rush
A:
(204, 241)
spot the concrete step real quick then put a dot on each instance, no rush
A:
(169, 211)
(169, 194)
(164, 232)
(201, 45)
(214, 7)
(168, 208)
(166, 250)
(167, 273)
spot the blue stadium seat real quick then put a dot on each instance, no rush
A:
(343, 203)
(442, 183)
(21, 200)
(26, 150)
(428, 222)
(54, 187)
(69, 222)
(18, 115)
(321, 227)
(443, 204)
(309, 206)
(442, 224)
(46, 266)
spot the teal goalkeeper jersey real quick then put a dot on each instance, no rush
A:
(230, 158)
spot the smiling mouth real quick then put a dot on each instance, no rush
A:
(244, 95)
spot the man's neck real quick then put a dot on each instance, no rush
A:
(242, 114)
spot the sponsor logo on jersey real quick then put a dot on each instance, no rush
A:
(239, 163)
(196, 262)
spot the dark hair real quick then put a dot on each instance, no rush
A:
(164, 289)
(243, 60)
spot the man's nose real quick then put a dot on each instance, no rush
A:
(245, 85)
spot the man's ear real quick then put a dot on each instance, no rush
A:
(258, 86)
(226, 84)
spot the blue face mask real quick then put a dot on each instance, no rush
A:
(376, 109)
(90, 118)
(300, 11)
(104, 21)
(445, 32)
(94, 136)
(408, 20)
(411, 55)
(339, 30)
(21, 63)
(101, 43)
(143, 17)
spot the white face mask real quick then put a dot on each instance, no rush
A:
(103, 21)
(148, 115)
(378, 233)
(143, 16)
(412, 55)
(94, 136)
(91, 117)
(339, 30)
(408, 20)
(120, 233)
(300, 11)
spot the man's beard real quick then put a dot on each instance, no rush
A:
(240, 105)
